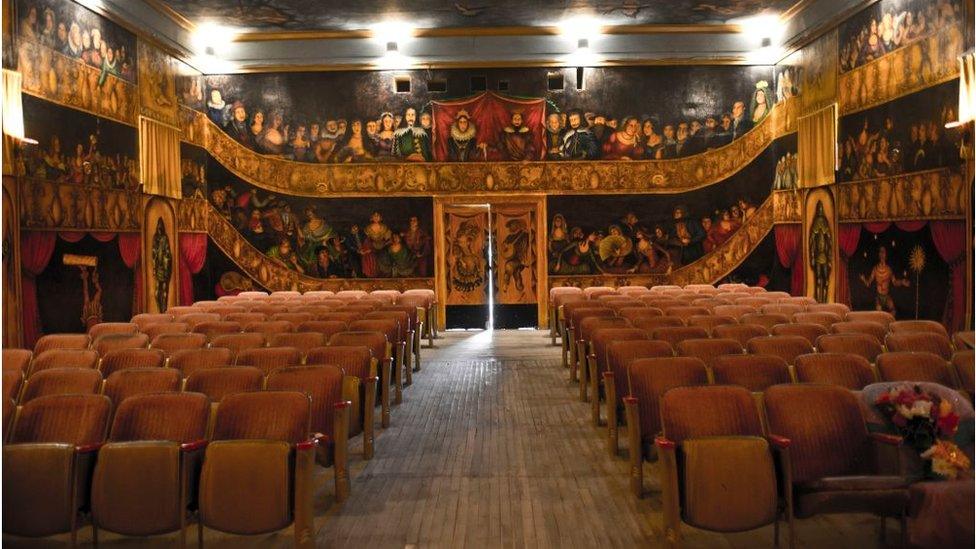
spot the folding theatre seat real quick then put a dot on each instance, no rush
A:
(676, 334)
(686, 312)
(733, 311)
(330, 415)
(876, 330)
(778, 295)
(357, 308)
(267, 359)
(825, 319)
(105, 328)
(573, 313)
(269, 327)
(206, 305)
(806, 330)
(756, 303)
(216, 328)
(238, 343)
(246, 318)
(337, 316)
(195, 318)
(388, 296)
(863, 345)
(803, 301)
(725, 479)
(226, 310)
(17, 360)
(429, 304)
(740, 332)
(597, 365)
(700, 288)
(829, 460)
(584, 333)
(188, 361)
(633, 313)
(787, 347)
(161, 433)
(112, 342)
(707, 350)
(139, 381)
(928, 342)
(319, 294)
(171, 343)
(964, 362)
(766, 320)
(649, 324)
(269, 309)
(61, 341)
(253, 294)
(881, 317)
(359, 386)
(403, 348)
(660, 301)
(415, 328)
(142, 320)
(154, 330)
(47, 463)
(295, 318)
(389, 328)
(594, 292)
(753, 372)
(257, 470)
(665, 287)
(286, 293)
(351, 294)
(709, 322)
(915, 326)
(324, 327)
(650, 378)
(219, 382)
(122, 359)
(838, 309)
(12, 382)
(731, 286)
(910, 366)
(382, 362)
(847, 370)
(61, 381)
(303, 341)
(620, 353)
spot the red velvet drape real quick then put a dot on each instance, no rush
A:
(491, 114)
(193, 253)
(130, 248)
(789, 249)
(847, 240)
(950, 239)
(36, 249)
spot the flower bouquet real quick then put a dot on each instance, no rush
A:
(926, 422)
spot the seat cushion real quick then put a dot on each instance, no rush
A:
(880, 495)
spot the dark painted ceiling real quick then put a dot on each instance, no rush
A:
(279, 15)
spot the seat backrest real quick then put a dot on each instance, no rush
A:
(269, 327)
(267, 359)
(122, 359)
(12, 382)
(649, 324)
(176, 417)
(677, 334)
(881, 317)
(928, 342)
(170, 343)
(963, 361)
(825, 426)
(633, 313)
(863, 345)
(337, 316)
(734, 311)
(67, 419)
(709, 349)
(401, 318)
(846, 370)
(731, 412)
(112, 342)
(323, 384)
(914, 326)
(295, 318)
(214, 329)
(154, 330)
(239, 342)
(62, 381)
(188, 361)
(354, 294)
(806, 330)
(388, 327)
(754, 372)
(195, 318)
(620, 353)
(105, 328)
(139, 381)
(594, 292)
(686, 312)
(16, 360)
(147, 319)
(766, 320)
(303, 341)
(740, 332)
(756, 303)
(912, 366)
(786, 309)
(217, 383)
(353, 359)
(823, 318)
(650, 378)
(374, 341)
(324, 327)
(588, 325)
(787, 347)
(246, 318)
(709, 322)
(866, 327)
(576, 314)
(660, 301)
(61, 341)
(264, 415)
(838, 309)
(601, 338)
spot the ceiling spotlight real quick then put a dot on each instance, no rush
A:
(392, 47)
(583, 44)
(766, 42)
(393, 31)
(211, 38)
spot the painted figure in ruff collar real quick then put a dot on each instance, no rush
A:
(516, 140)
(578, 143)
(411, 142)
(461, 144)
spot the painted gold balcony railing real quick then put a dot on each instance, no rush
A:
(644, 176)
(51, 205)
(934, 194)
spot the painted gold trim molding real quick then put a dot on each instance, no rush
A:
(933, 194)
(49, 205)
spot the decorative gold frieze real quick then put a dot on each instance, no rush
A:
(934, 194)
(646, 176)
(50, 205)
(787, 207)
(915, 67)
(191, 215)
(157, 85)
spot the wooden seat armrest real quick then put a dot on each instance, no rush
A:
(194, 445)
(779, 441)
(884, 438)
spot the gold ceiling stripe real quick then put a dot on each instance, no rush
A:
(332, 67)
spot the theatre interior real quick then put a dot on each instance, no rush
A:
(488, 273)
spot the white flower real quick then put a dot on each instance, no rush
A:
(922, 408)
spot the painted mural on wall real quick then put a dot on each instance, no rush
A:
(193, 171)
(892, 24)
(818, 72)
(515, 253)
(820, 249)
(466, 255)
(77, 147)
(157, 85)
(905, 135)
(785, 176)
(762, 267)
(219, 276)
(933, 194)
(282, 115)
(75, 57)
(332, 238)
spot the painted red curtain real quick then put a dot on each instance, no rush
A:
(130, 248)
(847, 240)
(950, 240)
(36, 249)
(491, 114)
(789, 249)
(193, 254)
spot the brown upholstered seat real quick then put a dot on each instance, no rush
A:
(914, 326)
(257, 473)
(787, 347)
(600, 338)
(216, 328)
(685, 312)
(740, 332)
(61, 381)
(593, 292)
(295, 318)
(238, 343)
(226, 310)
(911, 366)
(154, 330)
(963, 362)
(324, 327)
(337, 316)
(391, 329)
(18, 360)
(164, 433)
(927, 342)
(359, 387)
(676, 334)
(649, 324)
(139, 381)
(61, 341)
(105, 328)
(171, 343)
(269, 327)
(725, 479)
(866, 327)
(267, 359)
(122, 359)
(802, 300)
(846, 370)
(863, 345)
(112, 342)
(823, 318)
(766, 320)
(188, 361)
(144, 320)
(786, 309)
(755, 372)
(246, 318)
(710, 322)
(827, 455)
(756, 302)
(806, 330)
(634, 313)
(709, 349)
(838, 309)
(197, 317)
(303, 341)
(881, 317)
(660, 302)
(621, 353)
(12, 382)
(217, 383)
(734, 311)
(379, 351)
(404, 336)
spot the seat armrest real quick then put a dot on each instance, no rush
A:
(779, 441)
(884, 438)
(665, 443)
(193, 446)
(89, 448)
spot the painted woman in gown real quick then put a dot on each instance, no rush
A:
(371, 244)
(314, 233)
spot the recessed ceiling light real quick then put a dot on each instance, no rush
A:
(210, 38)
(582, 44)
(392, 46)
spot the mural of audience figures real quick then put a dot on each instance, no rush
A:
(75, 32)
(193, 171)
(905, 135)
(787, 82)
(333, 238)
(276, 115)
(220, 276)
(892, 24)
(76, 147)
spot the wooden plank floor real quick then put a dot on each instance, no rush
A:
(491, 448)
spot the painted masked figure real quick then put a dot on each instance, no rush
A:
(820, 253)
(162, 258)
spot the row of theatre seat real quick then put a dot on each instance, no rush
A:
(228, 403)
(758, 405)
